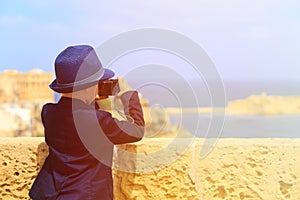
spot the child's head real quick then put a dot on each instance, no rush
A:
(77, 68)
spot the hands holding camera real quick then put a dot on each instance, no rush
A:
(113, 87)
(123, 86)
(110, 87)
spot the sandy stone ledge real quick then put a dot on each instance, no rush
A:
(20, 160)
(173, 169)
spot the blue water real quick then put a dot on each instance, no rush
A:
(242, 126)
(237, 126)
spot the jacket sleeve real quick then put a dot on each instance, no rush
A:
(125, 131)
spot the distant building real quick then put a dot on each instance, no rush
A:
(22, 96)
(30, 86)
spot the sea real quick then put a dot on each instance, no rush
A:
(171, 93)
(240, 126)
(225, 125)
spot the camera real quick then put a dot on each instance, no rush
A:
(108, 87)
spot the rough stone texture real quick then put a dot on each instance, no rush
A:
(167, 169)
(20, 160)
(235, 169)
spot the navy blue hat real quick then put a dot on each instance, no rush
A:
(77, 68)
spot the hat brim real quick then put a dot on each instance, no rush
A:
(72, 88)
(107, 74)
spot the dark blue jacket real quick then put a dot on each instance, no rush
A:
(81, 141)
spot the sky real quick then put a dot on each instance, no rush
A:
(247, 40)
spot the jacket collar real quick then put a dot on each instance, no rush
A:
(73, 103)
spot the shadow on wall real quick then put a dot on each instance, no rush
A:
(42, 153)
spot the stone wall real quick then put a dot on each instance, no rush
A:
(20, 160)
(173, 169)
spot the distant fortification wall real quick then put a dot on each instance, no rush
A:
(235, 169)
(30, 86)
(22, 96)
(265, 105)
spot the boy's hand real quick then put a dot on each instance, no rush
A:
(123, 85)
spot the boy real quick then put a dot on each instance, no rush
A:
(80, 138)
